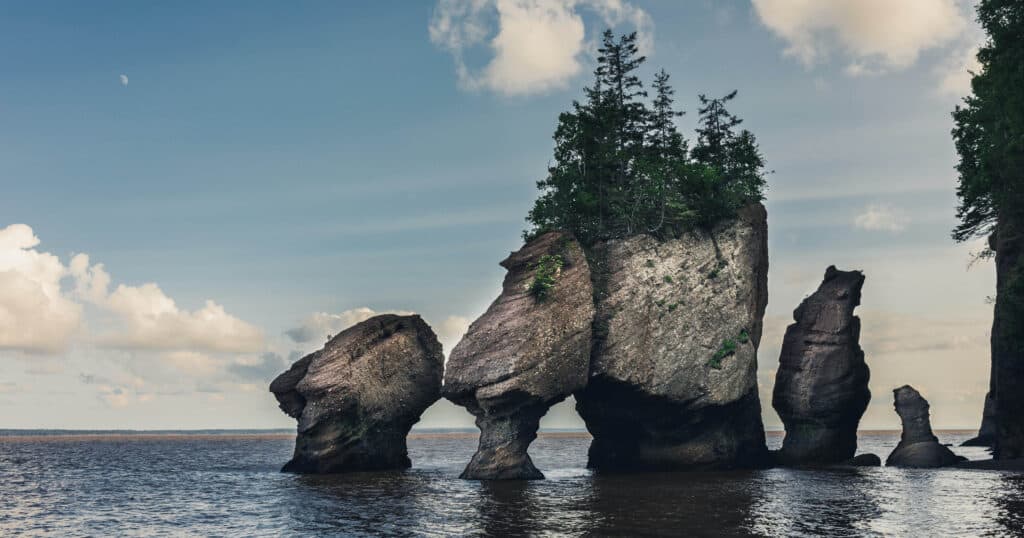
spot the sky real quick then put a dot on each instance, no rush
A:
(195, 194)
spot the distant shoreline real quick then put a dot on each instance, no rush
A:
(26, 435)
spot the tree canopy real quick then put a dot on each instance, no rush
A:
(621, 166)
(989, 127)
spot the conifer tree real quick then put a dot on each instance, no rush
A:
(621, 167)
(989, 137)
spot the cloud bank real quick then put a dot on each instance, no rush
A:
(38, 314)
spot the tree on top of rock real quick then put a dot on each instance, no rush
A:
(621, 167)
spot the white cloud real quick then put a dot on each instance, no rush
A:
(321, 325)
(149, 319)
(873, 36)
(882, 218)
(124, 79)
(38, 315)
(451, 330)
(35, 315)
(539, 44)
(955, 75)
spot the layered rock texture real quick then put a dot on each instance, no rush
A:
(357, 398)
(673, 374)
(529, 351)
(821, 388)
(918, 446)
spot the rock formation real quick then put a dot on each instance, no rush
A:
(673, 374)
(529, 351)
(356, 399)
(865, 460)
(987, 433)
(821, 388)
(918, 446)
(1008, 339)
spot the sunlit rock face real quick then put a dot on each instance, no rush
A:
(529, 351)
(821, 388)
(673, 375)
(918, 445)
(357, 398)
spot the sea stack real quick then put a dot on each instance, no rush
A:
(918, 445)
(821, 388)
(357, 398)
(673, 374)
(527, 352)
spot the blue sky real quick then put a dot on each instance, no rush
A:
(301, 165)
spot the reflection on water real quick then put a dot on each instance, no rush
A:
(228, 486)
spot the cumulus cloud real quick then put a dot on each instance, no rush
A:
(124, 79)
(539, 45)
(317, 327)
(320, 325)
(882, 218)
(955, 75)
(262, 368)
(37, 314)
(873, 36)
(451, 330)
(149, 319)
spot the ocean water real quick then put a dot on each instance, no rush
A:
(227, 484)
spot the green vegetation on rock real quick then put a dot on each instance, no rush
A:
(727, 348)
(621, 167)
(545, 275)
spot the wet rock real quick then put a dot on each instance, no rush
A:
(918, 445)
(866, 460)
(821, 388)
(673, 375)
(987, 434)
(529, 351)
(357, 398)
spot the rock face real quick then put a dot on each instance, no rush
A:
(529, 351)
(918, 446)
(673, 374)
(1008, 338)
(357, 398)
(821, 388)
(987, 434)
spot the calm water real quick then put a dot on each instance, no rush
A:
(229, 486)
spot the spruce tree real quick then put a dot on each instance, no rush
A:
(989, 138)
(622, 168)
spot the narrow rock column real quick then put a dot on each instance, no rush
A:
(918, 445)
(821, 388)
(502, 453)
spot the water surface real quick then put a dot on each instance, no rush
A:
(218, 484)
